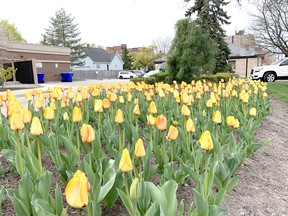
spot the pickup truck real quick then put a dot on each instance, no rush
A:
(269, 73)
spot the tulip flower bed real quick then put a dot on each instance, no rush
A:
(110, 142)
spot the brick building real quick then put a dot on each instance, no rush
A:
(33, 58)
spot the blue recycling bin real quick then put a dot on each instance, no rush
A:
(66, 76)
(40, 76)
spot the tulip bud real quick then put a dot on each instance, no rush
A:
(150, 120)
(152, 108)
(77, 189)
(76, 115)
(98, 105)
(36, 128)
(136, 110)
(185, 110)
(230, 120)
(16, 122)
(190, 126)
(26, 115)
(161, 122)
(253, 112)
(119, 116)
(121, 99)
(206, 140)
(139, 149)
(48, 113)
(135, 189)
(125, 164)
(209, 103)
(172, 133)
(87, 133)
(217, 118)
(65, 116)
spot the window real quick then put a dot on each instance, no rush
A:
(97, 66)
(284, 63)
(38, 64)
(232, 64)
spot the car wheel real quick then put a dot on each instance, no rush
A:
(120, 77)
(131, 77)
(270, 77)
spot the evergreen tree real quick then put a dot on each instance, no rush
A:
(127, 59)
(210, 17)
(191, 53)
(10, 32)
(64, 33)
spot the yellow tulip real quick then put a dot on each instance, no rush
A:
(161, 122)
(190, 126)
(28, 96)
(119, 116)
(48, 113)
(175, 123)
(237, 124)
(39, 103)
(78, 97)
(172, 133)
(26, 115)
(65, 116)
(185, 110)
(206, 140)
(136, 110)
(16, 122)
(77, 189)
(98, 105)
(77, 114)
(185, 98)
(217, 118)
(87, 133)
(85, 94)
(113, 97)
(36, 127)
(209, 103)
(230, 120)
(121, 99)
(125, 164)
(152, 108)
(139, 148)
(150, 120)
(136, 101)
(70, 95)
(253, 112)
(63, 103)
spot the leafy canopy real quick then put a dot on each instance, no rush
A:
(9, 32)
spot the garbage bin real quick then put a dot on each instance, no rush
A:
(66, 76)
(40, 76)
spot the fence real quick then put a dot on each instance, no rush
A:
(99, 74)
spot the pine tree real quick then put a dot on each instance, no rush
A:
(127, 59)
(64, 33)
(191, 53)
(210, 17)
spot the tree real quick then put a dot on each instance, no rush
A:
(144, 58)
(192, 52)
(162, 45)
(64, 33)
(210, 17)
(6, 74)
(270, 25)
(127, 59)
(9, 32)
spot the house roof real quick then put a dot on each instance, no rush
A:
(99, 55)
(241, 52)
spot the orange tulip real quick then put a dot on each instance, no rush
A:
(172, 133)
(87, 133)
(161, 122)
(77, 189)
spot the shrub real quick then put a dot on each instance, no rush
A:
(148, 80)
(160, 77)
(6, 74)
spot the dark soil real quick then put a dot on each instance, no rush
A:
(262, 189)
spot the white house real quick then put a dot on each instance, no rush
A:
(100, 59)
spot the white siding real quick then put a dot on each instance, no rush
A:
(116, 63)
(90, 65)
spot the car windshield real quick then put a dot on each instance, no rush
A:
(277, 62)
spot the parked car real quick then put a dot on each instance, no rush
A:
(269, 73)
(126, 75)
(139, 73)
(152, 72)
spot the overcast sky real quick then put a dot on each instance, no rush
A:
(110, 22)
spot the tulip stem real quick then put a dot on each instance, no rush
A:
(120, 139)
(89, 152)
(206, 174)
(136, 124)
(99, 122)
(50, 126)
(39, 154)
(78, 141)
(126, 184)
(151, 139)
(172, 150)
(28, 141)
(78, 211)
(140, 167)
(19, 154)
(134, 207)
(193, 152)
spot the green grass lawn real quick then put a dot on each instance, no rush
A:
(278, 90)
